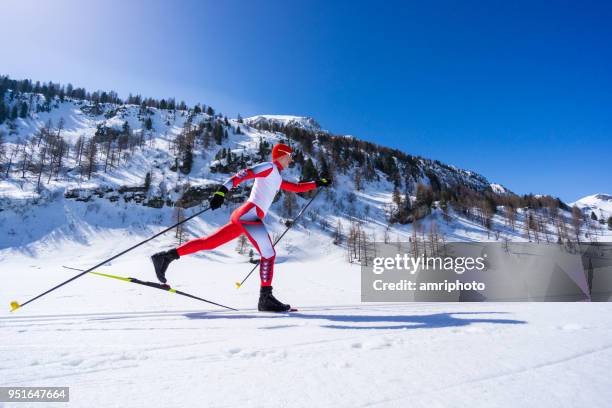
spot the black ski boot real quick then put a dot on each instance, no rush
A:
(161, 260)
(268, 303)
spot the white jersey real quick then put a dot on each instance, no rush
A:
(268, 181)
(265, 188)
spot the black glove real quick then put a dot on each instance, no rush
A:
(323, 182)
(288, 223)
(218, 197)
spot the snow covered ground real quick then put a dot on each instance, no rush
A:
(118, 344)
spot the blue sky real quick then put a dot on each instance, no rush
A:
(520, 92)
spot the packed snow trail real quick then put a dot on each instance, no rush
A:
(122, 345)
(545, 355)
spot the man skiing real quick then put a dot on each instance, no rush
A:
(248, 219)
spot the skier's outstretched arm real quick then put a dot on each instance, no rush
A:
(298, 187)
(306, 186)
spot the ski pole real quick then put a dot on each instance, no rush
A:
(155, 285)
(239, 284)
(15, 305)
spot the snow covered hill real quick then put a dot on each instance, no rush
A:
(600, 204)
(96, 177)
(284, 120)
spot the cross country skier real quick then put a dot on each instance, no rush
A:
(248, 219)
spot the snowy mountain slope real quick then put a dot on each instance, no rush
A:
(600, 204)
(71, 205)
(302, 122)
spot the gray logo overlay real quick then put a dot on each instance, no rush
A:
(476, 272)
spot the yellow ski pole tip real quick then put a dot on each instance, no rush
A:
(238, 285)
(15, 305)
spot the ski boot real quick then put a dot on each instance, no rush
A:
(268, 303)
(161, 260)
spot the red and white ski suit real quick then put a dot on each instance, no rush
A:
(248, 218)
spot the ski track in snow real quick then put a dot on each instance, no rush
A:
(124, 345)
(346, 355)
(529, 369)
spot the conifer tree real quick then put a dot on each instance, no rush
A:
(24, 110)
(309, 171)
